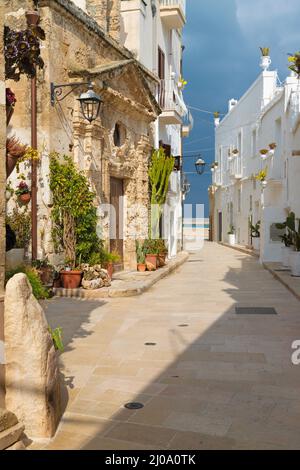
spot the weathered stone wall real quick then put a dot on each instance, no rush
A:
(74, 49)
(2, 195)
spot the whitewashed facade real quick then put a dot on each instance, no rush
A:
(269, 112)
(152, 29)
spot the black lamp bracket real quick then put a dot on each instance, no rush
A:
(56, 91)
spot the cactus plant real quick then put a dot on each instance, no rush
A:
(160, 170)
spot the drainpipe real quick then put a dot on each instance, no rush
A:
(33, 18)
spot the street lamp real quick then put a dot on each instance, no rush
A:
(89, 101)
(186, 186)
(200, 165)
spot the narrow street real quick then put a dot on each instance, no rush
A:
(213, 379)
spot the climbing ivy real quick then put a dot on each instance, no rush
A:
(74, 217)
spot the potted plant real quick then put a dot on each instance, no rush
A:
(235, 151)
(23, 193)
(18, 226)
(150, 254)
(140, 257)
(45, 271)
(294, 233)
(255, 235)
(286, 238)
(161, 252)
(261, 176)
(294, 60)
(264, 153)
(272, 148)
(231, 235)
(109, 260)
(265, 58)
(71, 276)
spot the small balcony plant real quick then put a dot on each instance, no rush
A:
(10, 104)
(264, 152)
(294, 61)
(23, 192)
(265, 51)
(261, 176)
(235, 151)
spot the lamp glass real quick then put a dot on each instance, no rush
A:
(90, 104)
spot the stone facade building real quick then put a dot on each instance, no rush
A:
(114, 150)
(2, 198)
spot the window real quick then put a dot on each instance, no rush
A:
(253, 143)
(161, 64)
(119, 134)
(239, 200)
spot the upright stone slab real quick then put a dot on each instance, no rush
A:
(32, 375)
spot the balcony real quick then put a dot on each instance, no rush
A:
(171, 102)
(235, 168)
(172, 13)
(187, 125)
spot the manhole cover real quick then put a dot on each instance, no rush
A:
(134, 406)
(150, 344)
(255, 311)
(183, 325)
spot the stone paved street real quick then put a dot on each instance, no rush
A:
(222, 381)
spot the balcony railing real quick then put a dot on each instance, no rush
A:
(170, 98)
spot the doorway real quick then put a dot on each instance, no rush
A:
(220, 226)
(116, 220)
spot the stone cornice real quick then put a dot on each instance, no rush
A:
(93, 26)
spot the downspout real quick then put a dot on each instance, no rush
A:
(33, 18)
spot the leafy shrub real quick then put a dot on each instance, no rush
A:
(20, 222)
(38, 290)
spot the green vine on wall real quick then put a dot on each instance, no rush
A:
(74, 217)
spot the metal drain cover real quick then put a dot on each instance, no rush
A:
(150, 344)
(134, 406)
(255, 311)
(183, 325)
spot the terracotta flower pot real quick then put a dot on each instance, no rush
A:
(46, 275)
(141, 267)
(24, 198)
(71, 279)
(110, 269)
(161, 259)
(152, 260)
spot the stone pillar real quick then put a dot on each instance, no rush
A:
(2, 196)
(32, 374)
(97, 9)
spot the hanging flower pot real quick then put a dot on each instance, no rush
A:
(23, 193)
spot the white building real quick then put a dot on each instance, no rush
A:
(268, 113)
(152, 29)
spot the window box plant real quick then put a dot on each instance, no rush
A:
(23, 193)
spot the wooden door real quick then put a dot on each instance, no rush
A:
(116, 219)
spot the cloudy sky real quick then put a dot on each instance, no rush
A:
(221, 60)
